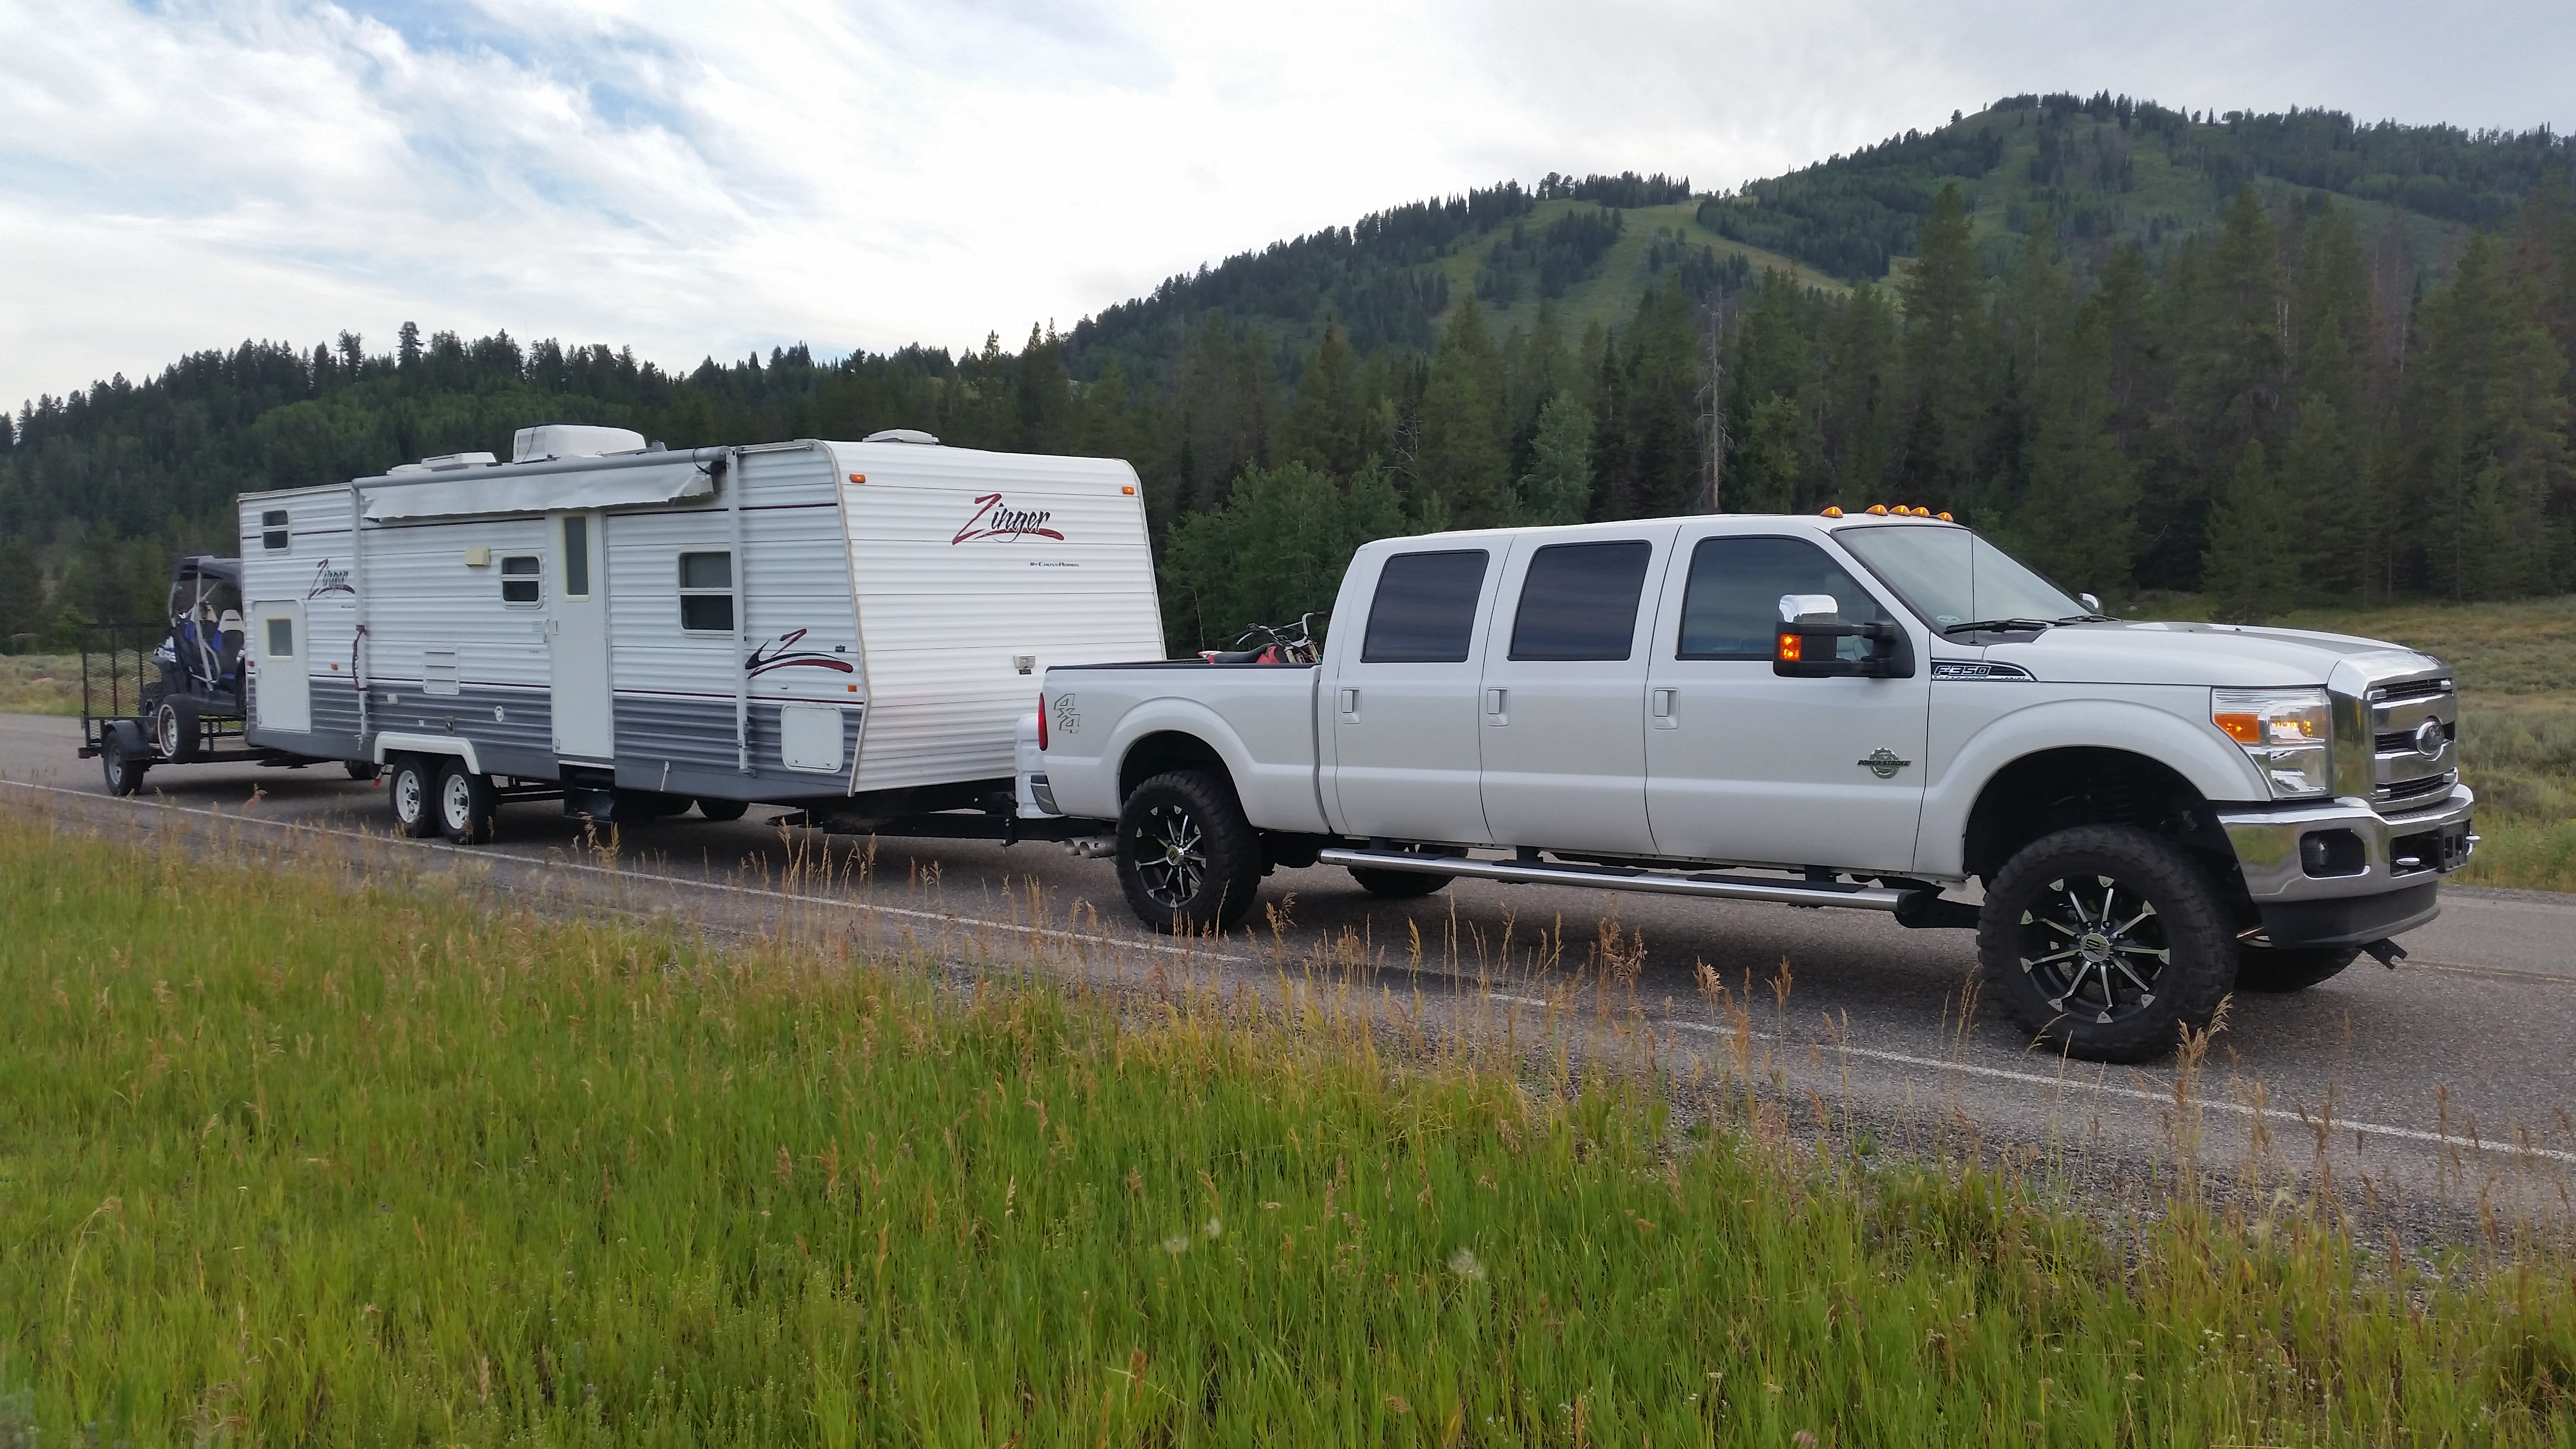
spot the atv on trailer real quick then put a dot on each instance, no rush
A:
(170, 693)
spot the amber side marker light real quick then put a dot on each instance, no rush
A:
(858, 477)
(2245, 729)
(1127, 488)
(1787, 652)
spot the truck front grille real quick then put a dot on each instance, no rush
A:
(2411, 763)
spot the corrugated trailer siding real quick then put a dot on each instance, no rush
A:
(946, 605)
(306, 571)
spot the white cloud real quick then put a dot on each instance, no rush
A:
(699, 179)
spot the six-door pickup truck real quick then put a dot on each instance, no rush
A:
(1868, 711)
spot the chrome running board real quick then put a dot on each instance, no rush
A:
(1606, 877)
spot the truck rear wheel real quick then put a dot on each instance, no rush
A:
(2274, 970)
(1187, 858)
(2104, 941)
(412, 792)
(466, 804)
(1403, 885)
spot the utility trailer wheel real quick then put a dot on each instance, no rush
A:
(413, 793)
(723, 809)
(1187, 858)
(362, 770)
(2103, 941)
(467, 804)
(174, 727)
(123, 757)
(2274, 970)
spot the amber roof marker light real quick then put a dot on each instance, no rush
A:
(1833, 510)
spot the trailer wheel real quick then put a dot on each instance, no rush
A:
(122, 758)
(412, 792)
(362, 770)
(2274, 970)
(174, 727)
(1187, 858)
(723, 809)
(2103, 941)
(466, 804)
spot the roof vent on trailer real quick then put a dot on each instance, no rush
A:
(902, 435)
(571, 440)
(445, 463)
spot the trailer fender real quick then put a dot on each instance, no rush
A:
(390, 744)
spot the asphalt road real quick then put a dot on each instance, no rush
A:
(2443, 1082)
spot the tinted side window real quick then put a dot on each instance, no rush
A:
(1425, 609)
(1732, 603)
(1579, 600)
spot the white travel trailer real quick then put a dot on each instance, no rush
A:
(853, 628)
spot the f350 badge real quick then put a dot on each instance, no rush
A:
(1883, 763)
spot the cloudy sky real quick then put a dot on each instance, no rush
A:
(696, 178)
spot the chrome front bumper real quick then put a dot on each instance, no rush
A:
(2267, 847)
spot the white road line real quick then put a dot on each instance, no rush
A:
(907, 913)
(2370, 1129)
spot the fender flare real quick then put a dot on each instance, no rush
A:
(396, 744)
(2206, 760)
(1169, 715)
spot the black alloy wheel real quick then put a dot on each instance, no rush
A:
(411, 792)
(467, 804)
(123, 757)
(2274, 970)
(1187, 858)
(2105, 941)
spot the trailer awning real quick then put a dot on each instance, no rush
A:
(508, 489)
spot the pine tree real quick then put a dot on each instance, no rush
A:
(1330, 426)
(1558, 486)
(2078, 520)
(1944, 294)
(2251, 567)
(1462, 463)
(22, 597)
(1861, 382)
(1663, 433)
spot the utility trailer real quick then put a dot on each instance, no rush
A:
(171, 693)
(850, 630)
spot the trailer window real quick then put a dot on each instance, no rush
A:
(272, 525)
(281, 638)
(576, 556)
(706, 593)
(521, 580)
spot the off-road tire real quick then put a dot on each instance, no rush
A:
(2039, 924)
(123, 757)
(174, 730)
(467, 804)
(412, 792)
(723, 809)
(2275, 970)
(362, 771)
(1187, 858)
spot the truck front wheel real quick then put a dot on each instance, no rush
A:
(1187, 858)
(2104, 941)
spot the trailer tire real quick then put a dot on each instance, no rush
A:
(362, 771)
(2088, 902)
(2274, 970)
(123, 757)
(723, 809)
(467, 804)
(1187, 858)
(174, 728)
(413, 793)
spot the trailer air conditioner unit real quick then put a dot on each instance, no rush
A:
(571, 440)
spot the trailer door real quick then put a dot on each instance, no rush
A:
(577, 638)
(282, 694)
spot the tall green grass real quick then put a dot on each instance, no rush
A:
(287, 1159)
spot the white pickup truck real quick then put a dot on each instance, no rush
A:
(1869, 711)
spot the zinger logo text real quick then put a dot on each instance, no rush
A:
(994, 519)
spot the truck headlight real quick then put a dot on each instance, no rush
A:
(2287, 733)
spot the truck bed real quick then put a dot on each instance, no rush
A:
(1261, 717)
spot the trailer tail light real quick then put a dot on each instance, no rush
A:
(1042, 734)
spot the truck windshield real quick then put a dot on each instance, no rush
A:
(1952, 577)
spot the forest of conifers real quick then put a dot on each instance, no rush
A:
(2278, 359)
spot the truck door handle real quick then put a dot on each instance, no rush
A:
(1494, 701)
(1350, 705)
(1663, 703)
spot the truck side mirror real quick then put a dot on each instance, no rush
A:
(1807, 643)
